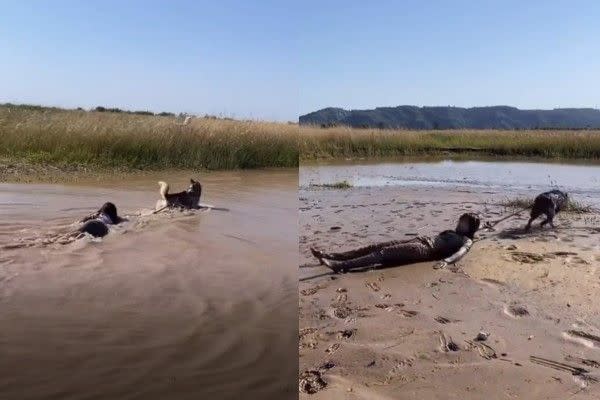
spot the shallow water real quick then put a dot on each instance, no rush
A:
(169, 306)
(501, 176)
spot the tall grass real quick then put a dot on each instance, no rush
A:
(341, 142)
(69, 137)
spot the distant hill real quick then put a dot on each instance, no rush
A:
(495, 117)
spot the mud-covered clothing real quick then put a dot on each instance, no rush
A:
(96, 225)
(391, 253)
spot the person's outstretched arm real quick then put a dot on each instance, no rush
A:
(456, 256)
(89, 217)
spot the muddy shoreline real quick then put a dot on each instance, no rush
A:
(22, 171)
(409, 332)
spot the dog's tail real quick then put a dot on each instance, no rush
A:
(164, 189)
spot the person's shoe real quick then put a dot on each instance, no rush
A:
(318, 254)
(332, 265)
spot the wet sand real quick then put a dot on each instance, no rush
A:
(408, 332)
(170, 306)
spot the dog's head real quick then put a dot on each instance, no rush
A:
(468, 224)
(195, 187)
(110, 210)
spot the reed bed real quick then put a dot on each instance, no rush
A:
(341, 142)
(119, 140)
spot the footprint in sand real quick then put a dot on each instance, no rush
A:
(526, 257)
(310, 291)
(407, 313)
(389, 307)
(342, 312)
(346, 333)
(310, 382)
(493, 282)
(321, 315)
(516, 310)
(306, 331)
(579, 260)
(305, 340)
(397, 370)
(340, 299)
(447, 344)
(373, 286)
(444, 320)
(333, 348)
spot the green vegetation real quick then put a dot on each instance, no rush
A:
(341, 142)
(573, 206)
(337, 185)
(94, 139)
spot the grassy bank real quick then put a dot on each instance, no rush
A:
(119, 140)
(339, 142)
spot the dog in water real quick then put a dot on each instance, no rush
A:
(189, 198)
(549, 204)
(96, 224)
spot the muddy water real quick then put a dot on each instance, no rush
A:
(582, 179)
(169, 306)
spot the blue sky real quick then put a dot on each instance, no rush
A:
(227, 58)
(528, 54)
(276, 59)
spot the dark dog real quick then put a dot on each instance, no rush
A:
(186, 199)
(549, 204)
(96, 224)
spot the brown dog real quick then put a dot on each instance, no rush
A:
(186, 199)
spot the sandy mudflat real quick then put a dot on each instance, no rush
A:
(408, 332)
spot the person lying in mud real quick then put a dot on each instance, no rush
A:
(449, 246)
(97, 224)
(549, 204)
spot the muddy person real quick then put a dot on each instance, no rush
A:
(97, 224)
(449, 246)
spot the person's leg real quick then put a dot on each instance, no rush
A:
(400, 254)
(367, 260)
(407, 253)
(351, 254)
